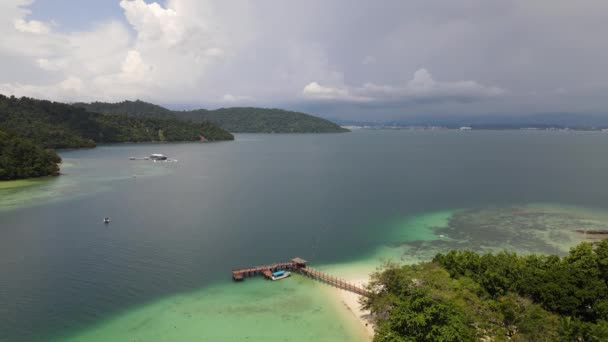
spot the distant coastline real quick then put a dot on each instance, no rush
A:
(476, 128)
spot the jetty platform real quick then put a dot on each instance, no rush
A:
(298, 265)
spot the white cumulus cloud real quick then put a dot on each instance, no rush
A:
(316, 91)
(173, 48)
(422, 85)
(32, 26)
(236, 98)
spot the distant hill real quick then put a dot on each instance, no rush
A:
(129, 108)
(58, 125)
(264, 120)
(236, 119)
(30, 126)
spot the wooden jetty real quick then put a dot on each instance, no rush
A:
(339, 283)
(265, 270)
(298, 265)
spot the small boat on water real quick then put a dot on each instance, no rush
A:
(278, 275)
(106, 220)
(157, 156)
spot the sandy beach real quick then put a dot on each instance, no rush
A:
(357, 273)
(347, 304)
(351, 303)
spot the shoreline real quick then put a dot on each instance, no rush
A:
(349, 303)
(346, 302)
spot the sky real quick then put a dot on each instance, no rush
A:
(347, 59)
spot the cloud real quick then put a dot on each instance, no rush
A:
(422, 85)
(51, 65)
(368, 60)
(509, 55)
(32, 26)
(235, 98)
(171, 51)
(314, 90)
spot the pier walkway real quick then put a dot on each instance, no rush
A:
(298, 265)
(339, 283)
(265, 270)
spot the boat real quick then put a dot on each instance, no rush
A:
(278, 275)
(106, 220)
(157, 156)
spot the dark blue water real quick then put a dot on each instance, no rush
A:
(262, 198)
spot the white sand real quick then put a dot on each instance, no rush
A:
(348, 302)
(351, 302)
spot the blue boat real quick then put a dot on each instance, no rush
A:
(278, 275)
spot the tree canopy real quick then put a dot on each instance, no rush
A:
(58, 125)
(463, 296)
(21, 158)
(35, 125)
(236, 119)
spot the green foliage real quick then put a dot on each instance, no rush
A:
(237, 119)
(500, 296)
(420, 316)
(577, 330)
(48, 124)
(263, 120)
(122, 128)
(21, 158)
(129, 108)
(572, 285)
(57, 125)
(30, 123)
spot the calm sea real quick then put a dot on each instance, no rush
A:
(179, 227)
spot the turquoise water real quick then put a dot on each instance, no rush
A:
(292, 310)
(161, 270)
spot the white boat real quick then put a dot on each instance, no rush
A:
(278, 275)
(106, 220)
(157, 156)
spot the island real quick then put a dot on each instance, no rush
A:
(32, 127)
(235, 119)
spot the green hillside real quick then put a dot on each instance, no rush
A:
(30, 126)
(129, 108)
(236, 120)
(58, 125)
(264, 120)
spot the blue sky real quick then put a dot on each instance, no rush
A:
(74, 14)
(353, 59)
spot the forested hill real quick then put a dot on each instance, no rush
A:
(237, 119)
(30, 126)
(58, 125)
(129, 108)
(263, 120)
